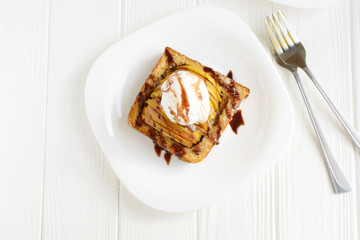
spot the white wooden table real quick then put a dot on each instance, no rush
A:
(55, 182)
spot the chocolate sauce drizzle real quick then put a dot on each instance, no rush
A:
(158, 149)
(236, 121)
(183, 109)
(230, 74)
(167, 155)
(169, 58)
(209, 70)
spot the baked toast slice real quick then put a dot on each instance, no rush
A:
(232, 93)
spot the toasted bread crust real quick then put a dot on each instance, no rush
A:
(232, 94)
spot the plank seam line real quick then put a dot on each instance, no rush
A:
(45, 123)
(354, 102)
(276, 226)
(121, 21)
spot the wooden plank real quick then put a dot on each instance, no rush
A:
(81, 190)
(250, 213)
(137, 221)
(138, 13)
(307, 206)
(355, 50)
(23, 70)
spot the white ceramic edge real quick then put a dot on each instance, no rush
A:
(280, 151)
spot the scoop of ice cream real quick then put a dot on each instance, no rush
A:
(185, 98)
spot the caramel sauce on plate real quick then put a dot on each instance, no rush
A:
(236, 121)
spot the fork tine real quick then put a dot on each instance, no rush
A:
(273, 38)
(290, 30)
(279, 36)
(283, 30)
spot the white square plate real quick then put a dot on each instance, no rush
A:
(218, 39)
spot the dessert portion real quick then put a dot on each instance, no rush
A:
(184, 106)
(185, 98)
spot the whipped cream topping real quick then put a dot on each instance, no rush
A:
(185, 98)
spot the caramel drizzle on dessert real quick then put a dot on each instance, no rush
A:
(174, 114)
(169, 58)
(158, 149)
(218, 134)
(237, 120)
(231, 88)
(184, 108)
(209, 70)
(140, 98)
(167, 155)
(230, 74)
(197, 89)
(178, 149)
(167, 87)
(197, 150)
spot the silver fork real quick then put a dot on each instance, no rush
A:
(290, 54)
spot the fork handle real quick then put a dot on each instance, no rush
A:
(350, 129)
(339, 180)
